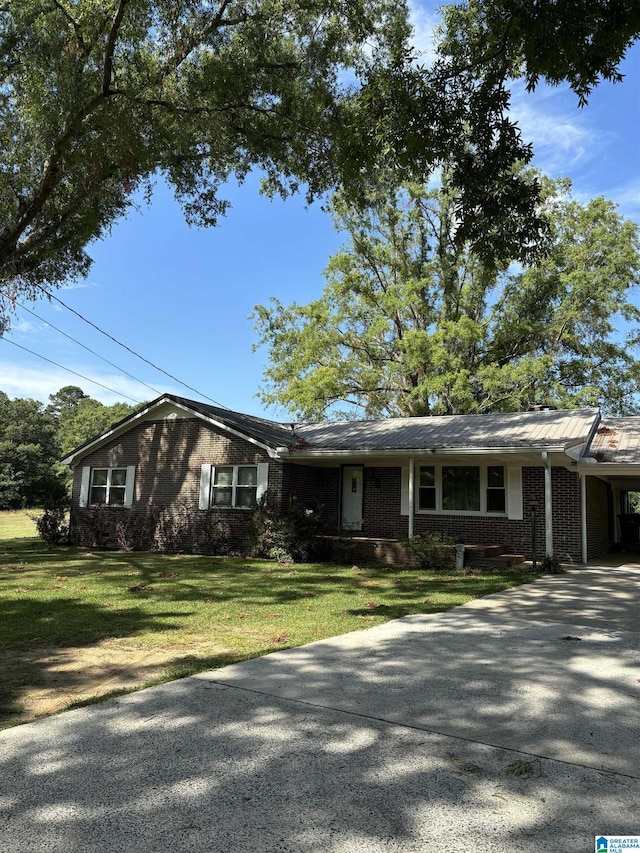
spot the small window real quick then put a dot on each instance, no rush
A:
(496, 492)
(108, 486)
(427, 488)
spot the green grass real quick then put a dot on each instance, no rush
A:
(17, 523)
(203, 612)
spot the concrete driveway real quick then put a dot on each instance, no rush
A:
(509, 724)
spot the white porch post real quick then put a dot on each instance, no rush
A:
(583, 517)
(411, 489)
(548, 509)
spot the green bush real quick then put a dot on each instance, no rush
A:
(551, 565)
(287, 537)
(52, 525)
(432, 550)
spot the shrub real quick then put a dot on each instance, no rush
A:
(52, 525)
(287, 537)
(551, 565)
(432, 550)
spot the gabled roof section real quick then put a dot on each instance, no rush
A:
(617, 441)
(540, 429)
(264, 433)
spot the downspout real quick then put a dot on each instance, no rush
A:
(411, 489)
(583, 516)
(548, 509)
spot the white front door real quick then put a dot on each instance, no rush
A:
(352, 478)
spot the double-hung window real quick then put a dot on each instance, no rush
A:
(235, 486)
(107, 486)
(461, 489)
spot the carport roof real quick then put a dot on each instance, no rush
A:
(617, 441)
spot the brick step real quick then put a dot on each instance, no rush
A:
(484, 550)
(496, 564)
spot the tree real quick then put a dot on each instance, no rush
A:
(65, 401)
(411, 322)
(577, 41)
(99, 96)
(28, 453)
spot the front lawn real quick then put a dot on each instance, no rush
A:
(67, 614)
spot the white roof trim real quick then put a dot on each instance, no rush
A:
(419, 451)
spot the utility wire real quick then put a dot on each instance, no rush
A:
(133, 352)
(68, 369)
(88, 349)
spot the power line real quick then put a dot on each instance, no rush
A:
(68, 369)
(133, 352)
(120, 369)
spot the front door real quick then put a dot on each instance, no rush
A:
(352, 479)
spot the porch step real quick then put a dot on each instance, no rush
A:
(484, 550)
(496, 563)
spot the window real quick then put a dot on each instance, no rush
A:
(461, 488)
(496, 493)
(233, 486)
(108, 486)
(427, 487)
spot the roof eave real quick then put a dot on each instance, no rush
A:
(327, 453)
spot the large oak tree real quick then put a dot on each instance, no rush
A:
(99, 96)
(414, 322)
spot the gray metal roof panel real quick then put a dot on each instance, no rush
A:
(491, 431)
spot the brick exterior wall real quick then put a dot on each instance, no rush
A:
(382, 518)
(168, 455)
(598, 518)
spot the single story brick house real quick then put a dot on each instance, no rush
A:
(478, 478)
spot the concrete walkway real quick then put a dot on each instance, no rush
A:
(509, 724)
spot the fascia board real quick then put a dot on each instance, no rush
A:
(418, 451)
(602, 469)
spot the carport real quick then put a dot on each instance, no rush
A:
(609, 475)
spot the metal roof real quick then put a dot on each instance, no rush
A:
(617, 441)
(540, 429)
(266, 432)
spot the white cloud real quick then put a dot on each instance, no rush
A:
(562, 139)
(26, 380)
(79, 285)
(424, 22)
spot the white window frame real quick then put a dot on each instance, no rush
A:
(86, 485)
(439, 489)
(207, 485)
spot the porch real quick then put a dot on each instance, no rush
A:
(392, 552)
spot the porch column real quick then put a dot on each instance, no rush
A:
(548, 510)
(411, 490)
(583, 517)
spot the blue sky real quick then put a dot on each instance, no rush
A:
(182, 296)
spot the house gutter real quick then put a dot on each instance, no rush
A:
(415, 451)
